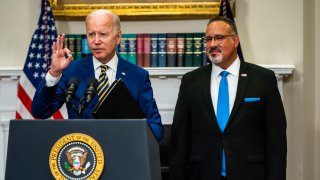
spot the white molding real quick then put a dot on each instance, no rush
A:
(282, 70)
(4, 132)
(12, 73)
(162, 72)
(170, 71)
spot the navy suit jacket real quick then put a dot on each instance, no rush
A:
(48, 100)
(254, 140)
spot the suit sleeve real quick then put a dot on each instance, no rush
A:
(47, 100)
(276, 138)
(179, 146)
(150, 109)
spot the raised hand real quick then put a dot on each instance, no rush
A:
(61, 57)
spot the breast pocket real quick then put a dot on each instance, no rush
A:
(253, 106)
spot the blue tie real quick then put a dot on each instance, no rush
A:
(223, 111)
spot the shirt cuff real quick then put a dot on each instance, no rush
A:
(51, 81)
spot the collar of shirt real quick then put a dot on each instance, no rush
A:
(111, 71)
(233, 69)
(112, 64)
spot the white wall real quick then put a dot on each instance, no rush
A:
(317, 89)
(18, 20)
(271, 32)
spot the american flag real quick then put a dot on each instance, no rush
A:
(225, 11)
(37, 62)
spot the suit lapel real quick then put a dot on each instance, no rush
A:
(87, 73)
(207, 97)
(121, 69)
(242, 84)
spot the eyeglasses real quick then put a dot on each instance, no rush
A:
(218, 38)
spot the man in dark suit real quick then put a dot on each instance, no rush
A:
(103, 32)
(229, 121)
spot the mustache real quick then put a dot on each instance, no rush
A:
(215, 48)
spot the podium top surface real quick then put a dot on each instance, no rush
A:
(80, 121)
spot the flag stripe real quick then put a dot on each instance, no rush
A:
(57, 115)
(26, 85)
(24, 98)
(22, 111)
(18, 116)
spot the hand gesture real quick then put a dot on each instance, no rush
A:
(61, 57)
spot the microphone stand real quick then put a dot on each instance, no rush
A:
(82, 106)
(85, 100)
(89, 94)
(73, 107)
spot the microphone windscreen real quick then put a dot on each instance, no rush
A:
(94, 82)
(74, 81)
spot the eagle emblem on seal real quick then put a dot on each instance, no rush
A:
(77, 157)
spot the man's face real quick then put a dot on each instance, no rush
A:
(102, 37)
(221, 44)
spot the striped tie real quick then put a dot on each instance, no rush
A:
(103, 82)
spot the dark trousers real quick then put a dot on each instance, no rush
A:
(223, 178)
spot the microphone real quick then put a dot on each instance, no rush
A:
(90, 92)
(71, 89)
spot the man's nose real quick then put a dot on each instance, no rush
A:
(96, 39)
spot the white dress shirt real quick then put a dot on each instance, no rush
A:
(232, 77)
(111, 71)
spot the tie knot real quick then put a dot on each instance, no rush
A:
(103, 68)
(224, 73)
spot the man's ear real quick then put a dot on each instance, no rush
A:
(236, 40)
(119, 33)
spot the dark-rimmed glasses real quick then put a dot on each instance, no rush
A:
(218, 38)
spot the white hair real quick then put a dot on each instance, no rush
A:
(99, 12)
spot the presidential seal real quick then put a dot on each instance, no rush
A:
(76, 156)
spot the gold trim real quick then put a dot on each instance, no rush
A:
(139, 11)
(76, 137)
